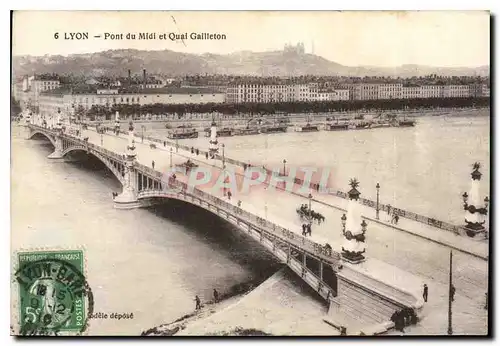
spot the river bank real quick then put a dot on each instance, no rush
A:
(282, 305)
(203, 120)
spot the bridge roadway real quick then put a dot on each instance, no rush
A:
(415, 254)
(418, 256)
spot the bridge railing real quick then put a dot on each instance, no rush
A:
(280, 232)
(367, 202)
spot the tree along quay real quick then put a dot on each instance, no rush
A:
(291, 107)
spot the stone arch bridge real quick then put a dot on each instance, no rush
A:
(339, 284)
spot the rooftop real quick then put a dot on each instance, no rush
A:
(46, 77)
(87, 89)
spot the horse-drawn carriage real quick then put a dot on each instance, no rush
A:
(187, 166)
(308, 214)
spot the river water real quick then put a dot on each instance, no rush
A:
(424, 169)
(149, 262)
(152, 262)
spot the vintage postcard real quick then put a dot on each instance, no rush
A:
(250, 173)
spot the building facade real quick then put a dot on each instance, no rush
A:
(270, 93)
(52, 101)
(390, 91)
(413, 92)
(431, 91)
(28, 91)
(455, 91)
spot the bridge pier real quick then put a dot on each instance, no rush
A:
(128, 198)
(26, 131)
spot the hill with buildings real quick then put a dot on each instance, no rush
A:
(292, 61)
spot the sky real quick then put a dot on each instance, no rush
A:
(439, 38)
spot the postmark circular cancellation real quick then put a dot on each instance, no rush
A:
(54, 296)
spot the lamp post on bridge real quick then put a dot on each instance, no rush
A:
(223, 157)
(310, 199)
(171, 150)
(224, 179)
(284, 167)
(343, 220)
(450, 299)
(353, 247)
(475, 213)
(378, 210)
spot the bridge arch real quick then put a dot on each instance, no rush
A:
(52, 140)
(108, 163)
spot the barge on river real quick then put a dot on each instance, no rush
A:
(336, 127)
(246, 131)
(274, 129)
(307, 128)
(224, 132)
(183, 133)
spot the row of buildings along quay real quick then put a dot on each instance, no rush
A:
(48, 93)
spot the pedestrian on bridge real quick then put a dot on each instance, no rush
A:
(198, 302)
(396, 219)
(426, 292)
(216, 296)
(153, 164)
(309, 230)
(164, 143)
(229, 194)
(304, 233)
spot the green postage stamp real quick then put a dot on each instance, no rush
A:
(54, 297)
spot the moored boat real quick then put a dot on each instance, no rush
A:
(307, 128)
(336, 127)
(246, 131)
(406, 123)
(273, 129)
(224, 132)
(183, 133)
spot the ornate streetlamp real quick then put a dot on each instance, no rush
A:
(223, 157)
(310, 199)
(475, 212)
(378, 208)
(213, 143)
(117, 123)
(353, 246)
(343, 220)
